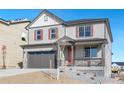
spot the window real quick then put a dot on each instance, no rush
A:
(87, 52)
(46, 18)
(38, 35)
(91, 52)
(81, 31)
(85, 31)
(53, 33)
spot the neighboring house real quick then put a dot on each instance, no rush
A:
(86, 43)
(119, 65)
(12, 35)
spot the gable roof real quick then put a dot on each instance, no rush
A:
(48, 13)
(118, 63)
(66, 39)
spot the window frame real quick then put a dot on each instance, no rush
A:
(36, 34)
(90, 54)
(53, 33)
(84, 29)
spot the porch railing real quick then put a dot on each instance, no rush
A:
(89, 62)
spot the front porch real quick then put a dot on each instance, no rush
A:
(78, 53)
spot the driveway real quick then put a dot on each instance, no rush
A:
(38, 77)
(12, 72)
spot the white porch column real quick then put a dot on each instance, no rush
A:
(107, 63)
(72, 55)
(103, 54)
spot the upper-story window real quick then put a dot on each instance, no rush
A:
(38, 35)
(45, 18)
(53, 33)
(90, 52)
(84, 31)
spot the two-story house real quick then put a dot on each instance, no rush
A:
(12, 35)
(86, 43)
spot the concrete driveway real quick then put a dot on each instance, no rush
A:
(11, 72)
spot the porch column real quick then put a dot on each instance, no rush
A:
(104, 62)
(72, 54)
(58, 55)
(103, 54)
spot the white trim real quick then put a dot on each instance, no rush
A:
(37, 35)
(84, 26)
(90, 52)
(53, 33)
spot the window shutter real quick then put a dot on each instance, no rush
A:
(41, 34)
(56, 33)
(35, 35)
(49, 34)
(77, 31)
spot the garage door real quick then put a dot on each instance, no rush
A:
(41, 59)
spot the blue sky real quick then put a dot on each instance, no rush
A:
(116, 18)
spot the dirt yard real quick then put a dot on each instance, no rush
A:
(37, 78)
(120, 77)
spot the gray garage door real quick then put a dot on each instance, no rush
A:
(41, 59)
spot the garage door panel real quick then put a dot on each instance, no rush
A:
(41, 60)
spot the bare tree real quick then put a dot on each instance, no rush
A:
(4, 56)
